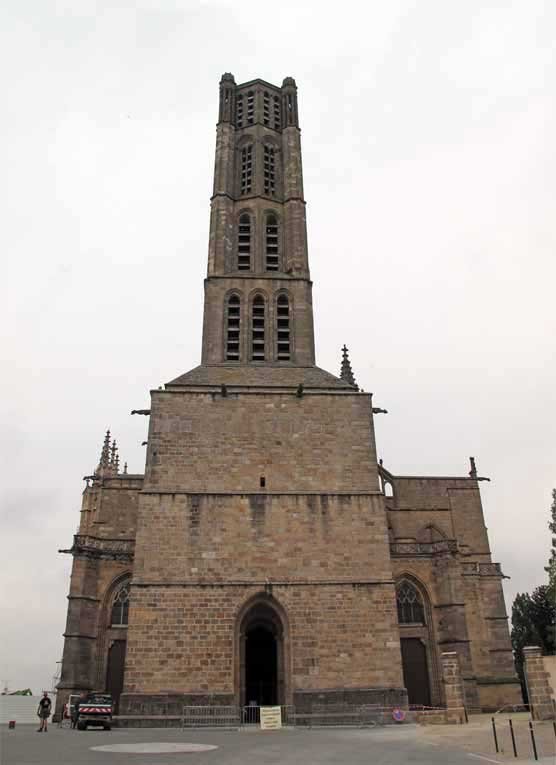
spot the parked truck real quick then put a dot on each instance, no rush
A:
(95, 709)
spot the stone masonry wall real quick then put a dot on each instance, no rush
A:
(206, 442)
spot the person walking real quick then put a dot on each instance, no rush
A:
(43, 712)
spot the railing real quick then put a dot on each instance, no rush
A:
(482, 569)
(96, 547)
(423, 548)
(251, 714)
(211, 717)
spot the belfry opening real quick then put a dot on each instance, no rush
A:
(261, 657)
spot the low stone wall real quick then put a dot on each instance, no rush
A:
(452, 716)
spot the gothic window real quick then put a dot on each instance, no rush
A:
(283, 328)
(250, 107)
(271, 243)
(258, 316)
(239, 111)
(410, 604)
(232, 328)
(120, 606)
(266, 108)
(269, 170)
(246, 184)
(244, 243)
(277, 114)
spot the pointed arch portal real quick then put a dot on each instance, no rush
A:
(261, 654)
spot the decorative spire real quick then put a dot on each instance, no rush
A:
(346, 372)
(125, 468)
(113, 453)
(473, 471)
(105, 453)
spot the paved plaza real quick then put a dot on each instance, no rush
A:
(392, 745)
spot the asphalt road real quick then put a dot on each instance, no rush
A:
(392, 745)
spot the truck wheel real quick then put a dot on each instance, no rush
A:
(82, 726)
(107, 727)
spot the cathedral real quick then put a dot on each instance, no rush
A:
(265, 556)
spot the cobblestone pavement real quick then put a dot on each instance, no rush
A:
(393, 745)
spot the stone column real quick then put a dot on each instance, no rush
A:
(536, 678)
(452, 682)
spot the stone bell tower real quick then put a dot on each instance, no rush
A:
(258, 305)
(262, 555)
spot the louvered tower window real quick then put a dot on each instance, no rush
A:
(266, 108)
(258, 329)
(244, 243)
(271, 243)
(410, 604)
(250, 107)
(239, 111)
(277, 114)
(233, 318)
(247, 169)
(269, 170)
(283, 328)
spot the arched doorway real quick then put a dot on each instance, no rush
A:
(415, 641)
(261, 649)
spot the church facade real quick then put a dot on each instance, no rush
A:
(265, 555)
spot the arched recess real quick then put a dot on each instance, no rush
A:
(262, 672)
(430, 533)
(112, 639)
(418, 648)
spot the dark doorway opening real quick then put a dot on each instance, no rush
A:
(115, 671)
(415, 671)
(261, 667)
(261, 657)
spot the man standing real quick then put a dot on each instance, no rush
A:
(43, 712)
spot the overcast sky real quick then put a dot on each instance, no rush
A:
(429, 158)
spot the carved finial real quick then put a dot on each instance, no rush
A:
(473, 471)
(105, 453)
(125, 468)
(346, 372)
(113, 453)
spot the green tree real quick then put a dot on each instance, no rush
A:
(551, 568)
(533, 618)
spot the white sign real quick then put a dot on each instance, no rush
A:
(271, 718)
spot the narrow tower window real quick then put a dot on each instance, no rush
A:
(266, 108)
(250, 107)
(283, 328)
(232, 328)
(246, 169)
(269, 170)
(258, 329)
(244, 243)
(277, 114)
(239, 111)
(271, 243)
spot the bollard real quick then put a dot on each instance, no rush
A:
(494, 734)
(513, 737)
(11, 724)
(532, 732)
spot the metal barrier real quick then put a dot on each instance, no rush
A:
(251, 714)
(211, 717)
